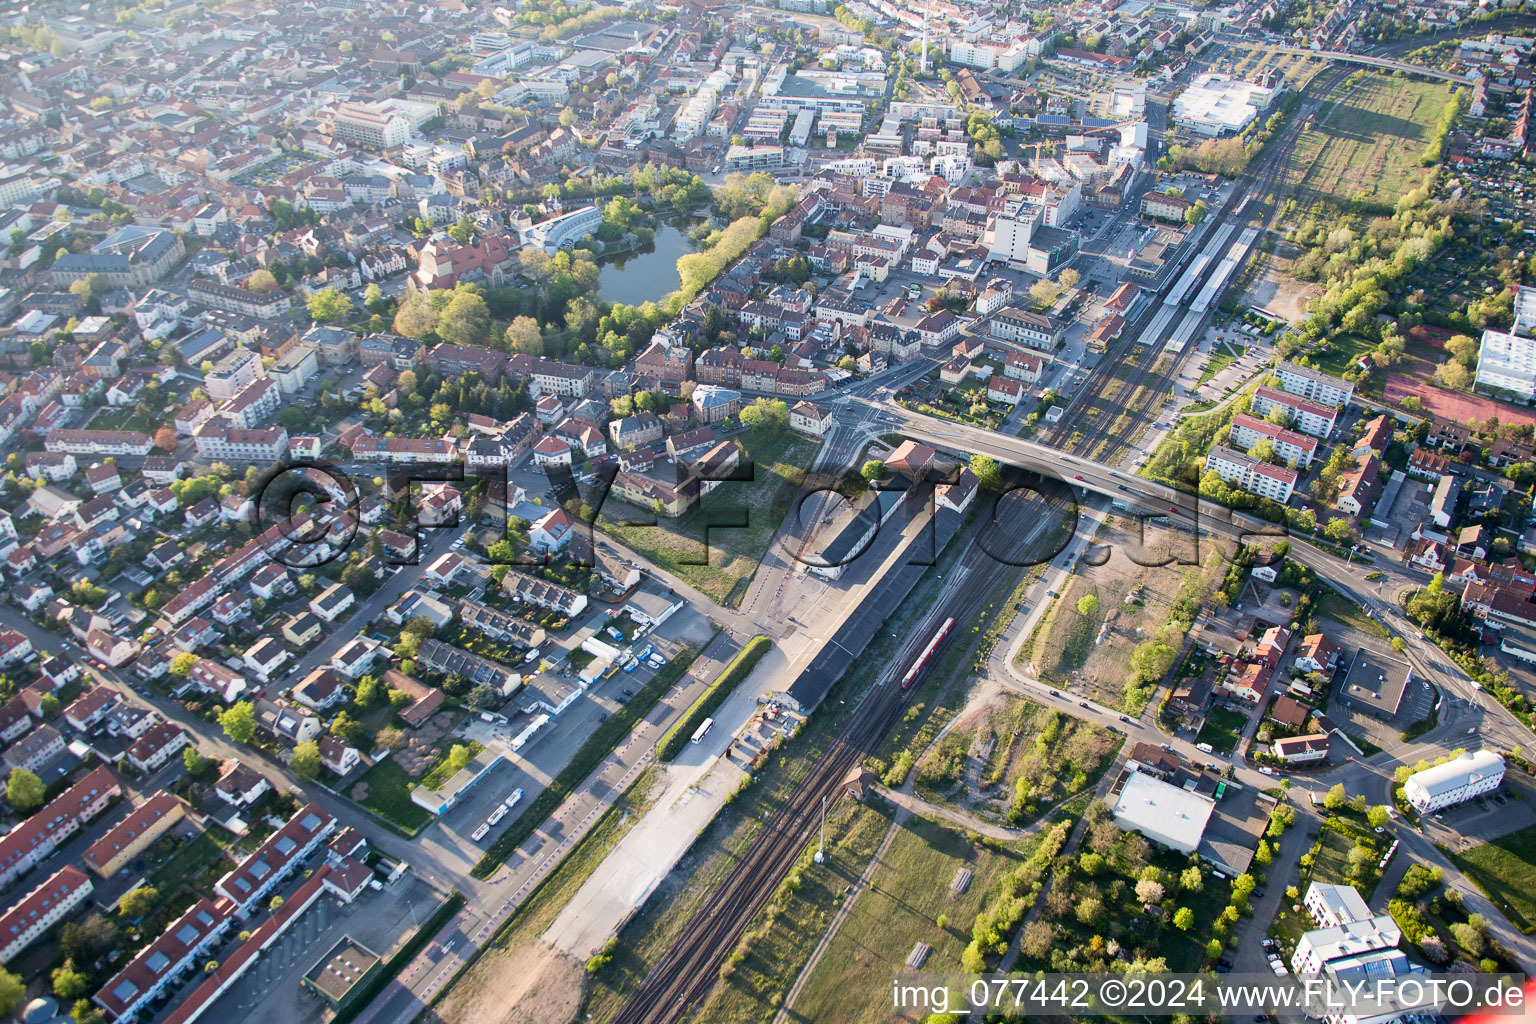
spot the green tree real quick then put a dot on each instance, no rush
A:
(1335, 797)
(181, 665)
(262, 280)
(69, 983)
(1090, 863)
(328, 305)
(194, 762)
(1087, 605)
(1378, 816)
(12, 989)
(1183, 919)
(24, 790)
(987, 470)
(239, 721)
(139, 902)
(872, 470)
(465, 320)
(458, 757)
(1192, 880)
(306, 760)
(524, 336)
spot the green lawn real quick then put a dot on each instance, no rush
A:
(1343, 352)
(182, 865)
(1367, 146)
(1222, 730)
(1330, 603)
(705, 546)
(1505, 870)
(1331, 856)
(907, 895)
(389, 796)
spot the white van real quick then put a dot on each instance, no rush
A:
(1204, 748)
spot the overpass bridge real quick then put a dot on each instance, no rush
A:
(1385, 63)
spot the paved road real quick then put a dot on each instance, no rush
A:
(428, 974)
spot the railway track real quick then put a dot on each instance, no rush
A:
(689, 971)
(1113, 434)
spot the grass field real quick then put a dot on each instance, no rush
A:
(389, 796)
(907, 895)
(1505, 870)
(1034, 759)
(1222, 730)
(1331, 856)
(1133, 601)
(1331, 604)
(704, 546)
(1366, 147)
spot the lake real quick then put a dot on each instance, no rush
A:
(648, 273)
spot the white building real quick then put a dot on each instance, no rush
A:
(1248, 431)
(1507, 362)
(1311, 417)
(1217, 105)
(558, 232)
(369, 125)
(1315, 384)
(1454, 782)
(1007, 235)
(1333, 905)
(1252, 475)
(1166, 814)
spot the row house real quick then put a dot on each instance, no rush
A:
(256, 876)
(41, 909)
(163, 963)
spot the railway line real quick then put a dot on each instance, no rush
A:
(686, 975)
(1140, 393)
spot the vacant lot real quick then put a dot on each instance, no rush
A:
(385, 789)
(1331, 604)
(717, 545)
(1331, 855)
(1366, 147)
(1014, 760)
(908, 897)
(1505, 869)
(1087, 644)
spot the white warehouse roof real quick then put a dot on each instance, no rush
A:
(1166, 814)
(1443, 778)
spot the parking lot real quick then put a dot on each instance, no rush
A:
(1511, 809)
(382, 921)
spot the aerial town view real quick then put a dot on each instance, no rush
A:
(789, 512)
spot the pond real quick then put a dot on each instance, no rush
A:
(649, 272)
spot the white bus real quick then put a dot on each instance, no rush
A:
(703, 729)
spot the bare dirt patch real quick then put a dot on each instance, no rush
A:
(532, 984)
(1277, 291)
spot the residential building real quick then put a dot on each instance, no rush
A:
(36, 913)
(1250, 474)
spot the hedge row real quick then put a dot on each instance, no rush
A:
(711, 699)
